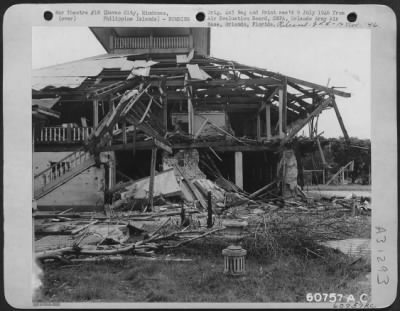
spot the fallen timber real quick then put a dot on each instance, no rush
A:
(313, 219)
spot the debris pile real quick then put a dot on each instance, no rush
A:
(74, 237)
(188, 206)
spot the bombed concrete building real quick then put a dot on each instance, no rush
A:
(158, 114)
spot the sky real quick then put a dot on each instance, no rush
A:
(330, 57)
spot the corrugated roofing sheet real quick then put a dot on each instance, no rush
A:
(196, 73)
(73, 74)
(39, 83)
(45, 102)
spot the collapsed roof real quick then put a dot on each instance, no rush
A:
(208, 83)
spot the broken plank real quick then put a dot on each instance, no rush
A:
(318, 87)
(66, 211)
(152, 173)
(160, 227)
(285, 105)
(194, 190)
(201, 128)
(195, 238)
(163, 146)
(339, 117)
(52, 253)
(215, 153)
(304, 121)
(222, 130)
(256, 193)
(146, 111)
(52, 215)
(239, 82)
(83, 227)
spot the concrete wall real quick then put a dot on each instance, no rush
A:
(216, 117)
(85, 190)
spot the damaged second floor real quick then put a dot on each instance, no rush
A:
(180, 97)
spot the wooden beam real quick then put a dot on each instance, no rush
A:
(258, 126)
(222, 130)
(133, 100)
(303, 104)
(227, 91)
(174, 96)
(280, 121)
(104, 91)
(304, 121)
(256, 193)
(146, 111)
(152, 174)
(269, 98)
(215, 154)
(307, 93)
(163, 146)
(145, 128)
(278, 76)
(228, 107)
(224, 146)
(190, 116)
(284, 107)
(165, 112)
(110, 105)
(95, 113)
(237, 83)
(231, 100)
(341, 123)
(188, 91)
(268, 120)
(318, 87)
(201, 128)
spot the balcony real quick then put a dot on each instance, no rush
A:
(150, 44)
(63, 135)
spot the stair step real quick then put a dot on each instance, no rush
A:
(64, 178)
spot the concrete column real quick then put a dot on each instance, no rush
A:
(239, 169)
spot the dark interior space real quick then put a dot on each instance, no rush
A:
(259, 169)
(134, 166)
(71, 112)
(212, 166)
(243, 123)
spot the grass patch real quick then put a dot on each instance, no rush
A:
(286, 279)
(281, 267)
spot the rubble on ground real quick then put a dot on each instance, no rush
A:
(187, 206)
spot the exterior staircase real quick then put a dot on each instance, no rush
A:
(62, 171)
(77, 162)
